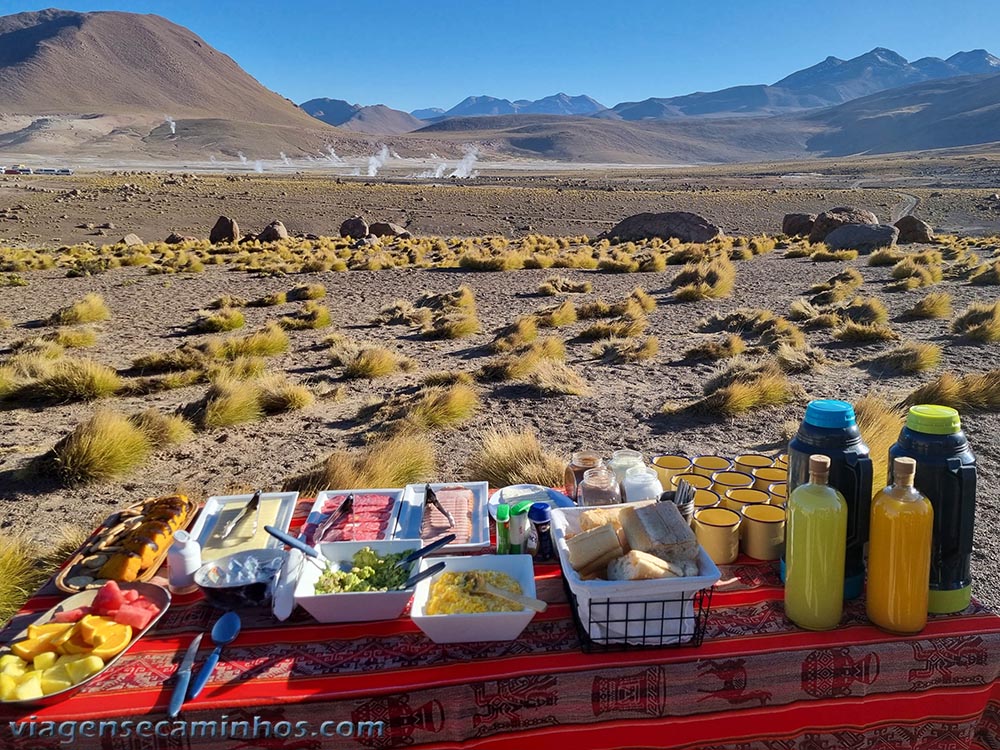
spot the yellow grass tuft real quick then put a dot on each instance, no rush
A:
(827, 256)
(911, 357)
(555, 317)
(439, 408)
(341, 349)
(312, 315)
(744, 388)
(276, 394)
(980, 322)
(562, 285)
(879, 423)
(865, 310)
(933, 305)
(104, 447)
(886, 256)
(623, 264)
(448, 377)
(980, 390)
(71, 380)
(70, 338)
(987, 274)
(226, 319)
(90, 309)
(375, 362)
(709, 279)
(912, 273)
(507, 457)
(595, 309)
(622, 328)
(455, 325)
(864, 333)
(522, 331)
(798, 360)
(162, 429)
(271, 300)
(395, 462)
(229, 402)
(25, 564)
(404, 312)
(740, 319)
(643, 298)
(551, 377)
(626, 350)
(730, 345)
(305, 292)
(266, 342)
(226, 301)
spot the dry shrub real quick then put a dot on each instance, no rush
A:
(404, 312)
(879, 423)
(479, 262)
(913, 273)
(167, 382)
(622, 328)
(452, 326)
(90, 309)
(507, 457)
(626, 350)
(266, 342)
(987, 274)
(457, 299)
(886, 256)
(312, 316)
(69, 338)
(979, 390)
(227, 300)
(26, 565)
(745, 387)
(726, 347)
(305, 292)
(595, 309)
(865, 310)
(70, 380)
(518, 365)
(643, 298)
(826, 256)
(793, 360)
(375, 362)
(709, 279)
(622, 264)
(849, 277)
(162, 429)
(933, 305)
(448, 377)
(799, 251)
(520, 332)
(561, 285)
(394, 462)
(104, 447)
(803, 310)
(553, 378)
(226, 319)
(838, 293)
(229, 402)
(980, 322)
(911, 357)
(341, 349)
(555, 317)
(779, 331)
(864, 333)
(439, 408)
(740, 319)
(186, 357)
(276, 394)
(271, 300)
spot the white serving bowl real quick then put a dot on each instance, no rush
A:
(360, 606)
(480, 626)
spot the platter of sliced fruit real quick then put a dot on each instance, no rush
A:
(77, 640)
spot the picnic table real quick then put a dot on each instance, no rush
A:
(756, 683)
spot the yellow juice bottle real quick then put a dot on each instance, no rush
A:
(899, 553)
(815, 547)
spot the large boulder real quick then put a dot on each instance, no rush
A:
(388, 229)
(355, 227)
(225, 230)
(862, 237)
(681, 225)
(798, 225)
(827, 221)
(273, 232)
(912, 229)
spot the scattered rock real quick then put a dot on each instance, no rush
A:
(129, 240)
(178, 239)
(388, 229)
(225, 230)
(273, 232)
(912, 229)
(369, 241)
(355, 227)
(862, 237)
(88, 225)
(682, 225)
(827, 221)
(798, 225)
(249, 238)
(107, 225)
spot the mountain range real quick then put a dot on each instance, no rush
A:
(115, 85)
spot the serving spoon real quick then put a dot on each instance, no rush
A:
(224, 632)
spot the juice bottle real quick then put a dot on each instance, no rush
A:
(899, 553)
(815, 546)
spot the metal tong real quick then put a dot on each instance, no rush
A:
(431, 499)
(251, 507)
(347, 506)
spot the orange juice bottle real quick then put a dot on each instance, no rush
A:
(899, 553)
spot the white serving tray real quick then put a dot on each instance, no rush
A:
(316, 516)
(411, 516)
(566, 521)
(204, 526)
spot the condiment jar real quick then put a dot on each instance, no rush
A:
(599, 487)
(540, 543)
(623, 460)
(641, 483)
(183, 560)
(580, 462)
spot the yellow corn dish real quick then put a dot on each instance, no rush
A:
(450, 594)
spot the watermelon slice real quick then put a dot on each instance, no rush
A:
(130, 596)
(109, 598)
(136, 616)
(71, 615)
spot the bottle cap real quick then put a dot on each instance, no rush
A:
(932, 419)
(540, 513)
(903, 469)
(503, 513)
(819, 464)
(521, 507)
(830, 413)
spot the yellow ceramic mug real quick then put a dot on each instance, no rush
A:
(718, 531)
(736, 498)
(708, 465)
(697, 481)
(667, 467)
(764, 478)
(751, 461)
(781, 462)
(763, 531)
(706, 499)
(778, 492)
(723, 481)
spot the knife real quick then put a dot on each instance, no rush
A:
(253, 505)
(343, 509)
(184, 677)
(431, 498)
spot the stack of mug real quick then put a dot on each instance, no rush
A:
(739, 503)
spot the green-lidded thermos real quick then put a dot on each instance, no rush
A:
(946, 475)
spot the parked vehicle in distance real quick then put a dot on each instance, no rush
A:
(46, 170)
(23, 170)
(11, 170)
(64, 171)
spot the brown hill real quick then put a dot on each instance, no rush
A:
(62, 62)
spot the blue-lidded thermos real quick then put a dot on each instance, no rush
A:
(831, 429)
(946, 475)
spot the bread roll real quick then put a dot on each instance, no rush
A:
(591, 546)
(596, 517)
(660, 529)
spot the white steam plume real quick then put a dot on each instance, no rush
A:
(258, 166)
(375, 163)
(465, 168)
(332, 155)
(436, 173)
(243, 159)
(284, 159)
(172, 124)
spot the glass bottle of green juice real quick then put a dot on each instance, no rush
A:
(815, 545)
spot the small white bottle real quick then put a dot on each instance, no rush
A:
(183, 559)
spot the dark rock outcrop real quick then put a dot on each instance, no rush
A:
(682, 225)
(225, 230)
(862, 237)
(827, 221)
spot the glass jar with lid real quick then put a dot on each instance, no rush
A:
(622, 460)
(641, 483)
(579, 463)
(599, 487)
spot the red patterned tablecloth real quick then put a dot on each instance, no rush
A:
(756, 683)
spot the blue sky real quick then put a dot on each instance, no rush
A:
(409, 54)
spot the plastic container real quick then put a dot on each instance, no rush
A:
(815, 544)
(540, 516)
(183, 561)
(946, 475)
(503, 529)
(899, 554)
(830, 429)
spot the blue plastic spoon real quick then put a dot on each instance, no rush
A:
(224, 632)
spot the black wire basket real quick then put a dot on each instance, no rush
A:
(674, 620)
